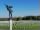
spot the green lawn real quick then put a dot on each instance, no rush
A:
(4, 27)
(23, 26)
(26, 26)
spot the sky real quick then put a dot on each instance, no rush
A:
(20, 8)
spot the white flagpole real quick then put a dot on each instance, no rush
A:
(10, 24)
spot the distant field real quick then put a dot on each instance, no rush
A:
(26, 25)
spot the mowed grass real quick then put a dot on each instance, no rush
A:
(4, 27)
(26, 26)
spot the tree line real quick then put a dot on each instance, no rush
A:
(22, 18)
(27, 18)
